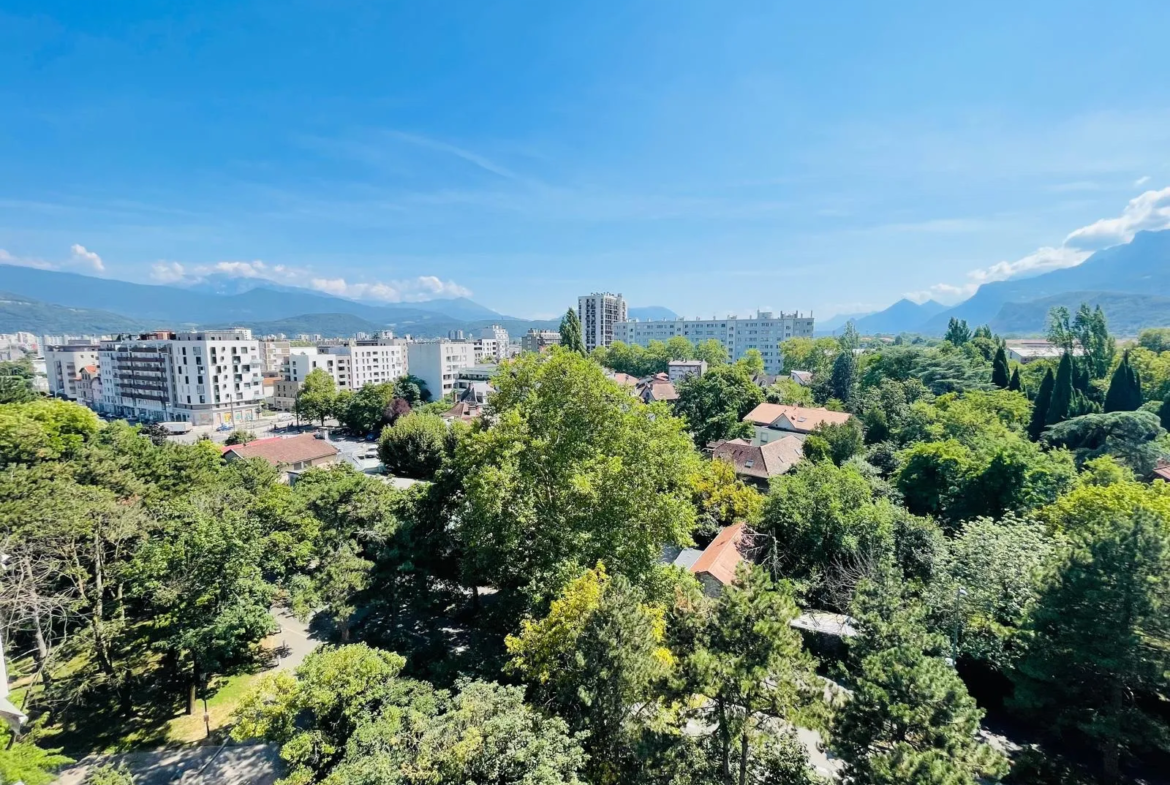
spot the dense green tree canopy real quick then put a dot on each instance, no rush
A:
(715, 403)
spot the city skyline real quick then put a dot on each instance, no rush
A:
(828, 160)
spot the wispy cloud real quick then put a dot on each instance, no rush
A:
(1148, 212)
(25, 261)
(79, 256)
(1138, 183)
(417, 289)
(467, 155)
(86, 258)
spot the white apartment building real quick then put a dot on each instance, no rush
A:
(438, 364)
(352, 365)
(499, 336)
(274, 355)
(488, 350)
(600, 313)
(208, 377)
(63, 366)
(677, 370)
(764, 332)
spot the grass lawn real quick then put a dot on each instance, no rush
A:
(190, 729)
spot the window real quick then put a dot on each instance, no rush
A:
(749, 463)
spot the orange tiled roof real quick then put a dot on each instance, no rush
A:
(284, 451)
(763, 461)
(795, 418)
(722, 556)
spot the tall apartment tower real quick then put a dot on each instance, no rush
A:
(599, 312)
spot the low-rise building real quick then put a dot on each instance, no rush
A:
(715, 568)
(1029, 350)
(760, 462)
(537, 341)
(773, 421)
(678, 370)
(286, 454)
(63, 364)
(656, 388)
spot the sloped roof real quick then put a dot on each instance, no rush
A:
(722, 556)
(284, 451)
(763, 461)
(793, 418)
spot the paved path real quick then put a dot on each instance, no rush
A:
(294, 637)
(252, 764)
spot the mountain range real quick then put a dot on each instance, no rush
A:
(1130, 282)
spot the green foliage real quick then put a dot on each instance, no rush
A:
(909, 717)
(1098, 636)
(571, 339)
(571, 470)
(240, 436)
(715, 403)
(17, 380)
(1156, 339)
(752, 665)
(415, 446)
(712, 352)
(200, 574)
(841, 440)
(412, 389)
(597, 659)
(349, 718)
(317, 397)
(814, 355)
(820, 518)
(1134, 438)
(1040, 406)
(789, 392)
(986, 578)
(1000, 376)
(28, 763)
(1061, 404)
(843, 376)
(752, 362)
(44, 430)
(365, 412)
(1015, 385)
(109, 774)
(958, 333)
(1164, 414)
(1125, 388)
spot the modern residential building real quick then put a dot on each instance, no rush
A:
(600, 313)
(438, 363)
(488, 350)
(352, 364)
(678, 370)
(208, 377)
(763, 332)
(498, 334)
(274, 355)
(539, 340)
(63, 366)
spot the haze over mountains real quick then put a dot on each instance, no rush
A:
(1131, 282)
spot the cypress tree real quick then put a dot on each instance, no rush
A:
(1040, 406)
(1016, 384)
(1062, 392)
(571, 332)
(999, 370)
(1125, 388)
(1164, 414)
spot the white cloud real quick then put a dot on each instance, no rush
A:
(256, 269)
(1138, 183)
(1148, 212)
(167, 272)
(86, 257)
(424, 287)
(25, 261)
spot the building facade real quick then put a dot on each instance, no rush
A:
(763, 332)
(600, 313)
(209, 377)
(438, 364)
(63, 366)
(352, 365)
(274, 355)
(538, 340)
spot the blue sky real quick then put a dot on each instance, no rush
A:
(710, 157)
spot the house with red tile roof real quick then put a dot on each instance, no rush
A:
(774, 420)
(286, 454)
(715, 568)
(656, 388)
(760, 462)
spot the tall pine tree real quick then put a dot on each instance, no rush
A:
(1016, 384)
(1062, 392)
(1125, 390)
(1164, 414)
(999, 369)
(1040, 406)
(571, 332)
